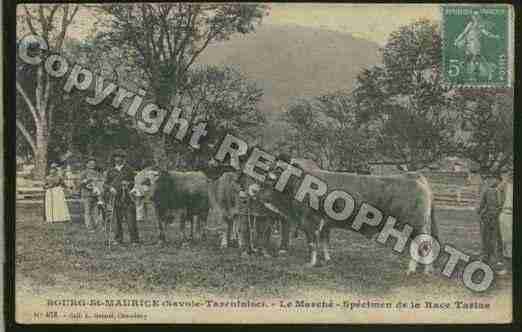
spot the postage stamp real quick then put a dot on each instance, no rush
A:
(269, 163)
(476, 45)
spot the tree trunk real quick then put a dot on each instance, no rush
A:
(157, 142)
(159, 151)
(42, 143)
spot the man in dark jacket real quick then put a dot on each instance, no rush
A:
(489, 211)
(119, 181)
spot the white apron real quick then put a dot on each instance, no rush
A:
(56, 209)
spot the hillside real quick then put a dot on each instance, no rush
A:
(289, 62)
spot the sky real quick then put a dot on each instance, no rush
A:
(373, 22)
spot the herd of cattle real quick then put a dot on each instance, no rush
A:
(408, 198)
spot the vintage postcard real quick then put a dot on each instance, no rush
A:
(256, 163)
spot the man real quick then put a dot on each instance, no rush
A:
(90, 179)
(254, 222)
(120, 178)
(506, 215)
(489, 211)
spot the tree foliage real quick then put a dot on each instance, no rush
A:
(166, 39)
(50, 23)
(227, 101)
(407, 99)
(486, 118)
(327, 129)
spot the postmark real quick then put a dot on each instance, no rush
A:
(476, 43)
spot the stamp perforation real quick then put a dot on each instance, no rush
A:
(506, 82)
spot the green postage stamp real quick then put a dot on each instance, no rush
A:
(476, 43)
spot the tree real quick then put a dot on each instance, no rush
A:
(486, 118)
(98, 130)
(226, 101)
(406, 99)
(166, 39)
(327, 127)
(50, 22)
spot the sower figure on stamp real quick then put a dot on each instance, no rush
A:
(90, 180)
(120, 178)
(470, 40)
(491, 203)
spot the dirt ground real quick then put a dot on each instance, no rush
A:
(65, 256)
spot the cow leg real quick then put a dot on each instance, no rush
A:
(412, 266)
(285, 236)
(236, 241)
(225, 240)
(427, 228)
(183, 225)
(325, 244)
(266, 233)
(186, 216)
(233, 236)
(430, 228)
(311, 239)
(193, 222)
(203, 225)
(161, 228)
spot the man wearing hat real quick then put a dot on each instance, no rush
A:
(119, 181)
(90, 179)
(489, 211)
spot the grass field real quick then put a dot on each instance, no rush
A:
(64, 257)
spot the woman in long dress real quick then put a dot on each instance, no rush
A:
(56, 209)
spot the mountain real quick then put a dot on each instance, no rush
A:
(290, 62)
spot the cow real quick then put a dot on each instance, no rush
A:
(407, 198)
(224, 201)
(186, 193)
(224, 191)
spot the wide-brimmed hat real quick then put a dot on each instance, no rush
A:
(119, 153)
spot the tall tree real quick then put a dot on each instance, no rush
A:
(166, 39)
(407, 99)
(51, 23)
(227, 101)
(328, 128)
(487, 133)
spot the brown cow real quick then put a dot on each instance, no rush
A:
(408, 198)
